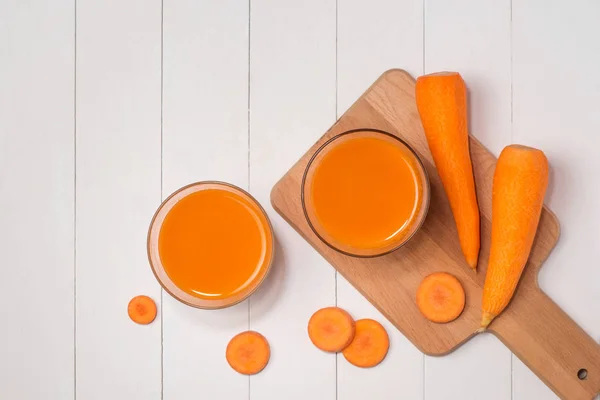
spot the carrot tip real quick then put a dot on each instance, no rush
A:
(486, 320)
(472, 263)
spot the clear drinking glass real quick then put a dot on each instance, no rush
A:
(365, 170)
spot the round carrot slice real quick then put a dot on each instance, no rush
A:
(369, 346)
(248, 352)
(441, 297)
(331, 329)
(142, 310)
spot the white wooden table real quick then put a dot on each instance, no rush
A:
(108, 106)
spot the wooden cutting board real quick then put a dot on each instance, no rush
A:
(533, 326)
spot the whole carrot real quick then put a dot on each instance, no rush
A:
(519, 187)
(442, 103)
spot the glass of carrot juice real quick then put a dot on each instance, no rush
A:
(365, 192)
(210, 245)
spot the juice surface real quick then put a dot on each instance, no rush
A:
(214, 242)
(366, 191)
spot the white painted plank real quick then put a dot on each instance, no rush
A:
(292, 103)
(399, 376)
(373, 37)
(205, 137)
(526, 385)
(392, 39)
(37, 199)
(480, 369)
(473, 38)
(556, 96)
(118, 189)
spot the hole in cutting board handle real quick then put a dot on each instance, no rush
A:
(582, 374)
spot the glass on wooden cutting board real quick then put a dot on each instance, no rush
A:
(365, 192)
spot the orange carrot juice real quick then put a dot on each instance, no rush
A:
(215, 242)
(365, 193)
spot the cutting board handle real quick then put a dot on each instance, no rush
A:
(551, 344)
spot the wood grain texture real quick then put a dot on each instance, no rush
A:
(205, 137)
(37, 199)
(118, 188)
(390, 282)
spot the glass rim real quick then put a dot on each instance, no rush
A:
(159, 271)
(426, 185)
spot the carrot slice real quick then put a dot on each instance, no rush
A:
(142, 310)
(248, 352)
(441, 297)
(331, 329)
(369, 346)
